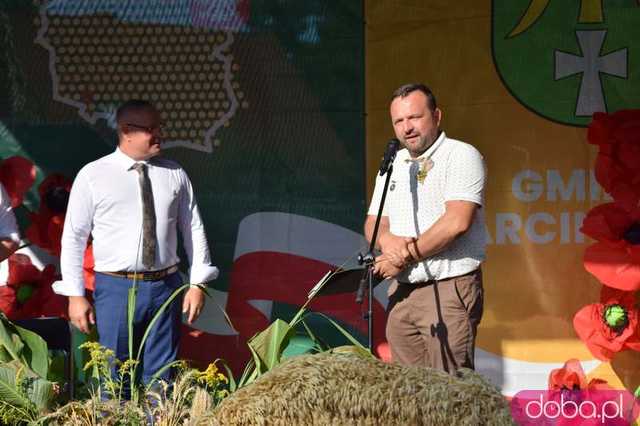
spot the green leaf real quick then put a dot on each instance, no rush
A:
(41, 393)
(7, 340)
(268, 345)
(4, 355)
(344, 332)
(24, 345)
(35, 351)
(249, 369)
(157, 374)
(155, 318)
(320, 345)
(131, 309)
(233, 386)
(9, 392)
(24, 390)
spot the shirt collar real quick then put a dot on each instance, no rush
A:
(429, 152)
(125, 161)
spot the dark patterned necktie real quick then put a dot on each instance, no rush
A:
(148, 217)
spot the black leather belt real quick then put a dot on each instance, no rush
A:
(144, 276)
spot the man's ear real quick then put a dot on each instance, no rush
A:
(437, 116)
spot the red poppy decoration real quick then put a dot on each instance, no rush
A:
(571, 377)
(21, 270)
(45, 231)
(87, 269)
(32, 293)
(615, 258)
(617, 166)
(46, 226)
(54, 194)
(17, 174)
(8, 303)
(610, 326)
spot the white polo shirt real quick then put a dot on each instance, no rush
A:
(449, 170)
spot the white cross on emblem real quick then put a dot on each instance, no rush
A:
(591, 94)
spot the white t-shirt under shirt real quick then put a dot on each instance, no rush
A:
(449, 170)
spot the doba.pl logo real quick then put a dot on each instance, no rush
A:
(575, 407)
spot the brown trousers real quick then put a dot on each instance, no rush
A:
(434, 324)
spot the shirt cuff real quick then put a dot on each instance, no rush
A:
(13, 236)
(201, 274)
(64, 289)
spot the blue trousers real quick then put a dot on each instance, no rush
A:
(161, 346)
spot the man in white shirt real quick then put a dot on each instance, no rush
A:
(9, 236)
(431, 236)
(132, 202)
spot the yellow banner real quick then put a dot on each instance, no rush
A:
(540, 183)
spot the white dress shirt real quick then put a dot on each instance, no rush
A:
(8, 226)
(105, 202)
(8, 230)
(452, 170)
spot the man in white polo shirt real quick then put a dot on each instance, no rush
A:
(431, 236)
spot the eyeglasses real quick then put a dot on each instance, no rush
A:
(149, 129)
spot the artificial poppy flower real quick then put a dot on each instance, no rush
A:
(46, 226)
(610, 326)
(34, 296)
(45, 231)
(21, 270)
(615, 257)
(54, 194)
(17, 174)
(607, 129)
(571, 377)
(617, 166)
(8, 303)
(87, 269)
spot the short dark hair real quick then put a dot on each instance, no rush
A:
(404, 90)
(133, 105)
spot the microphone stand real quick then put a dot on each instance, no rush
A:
(368, 260)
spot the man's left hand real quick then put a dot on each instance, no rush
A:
(385, 267)
(192, 304)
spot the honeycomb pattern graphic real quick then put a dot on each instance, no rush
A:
(98, 61)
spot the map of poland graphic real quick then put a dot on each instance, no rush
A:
(174, 53)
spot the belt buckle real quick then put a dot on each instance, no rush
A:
(148, 276)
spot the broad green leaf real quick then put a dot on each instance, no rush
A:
(4, 355)
(41, 393)
(344, 332)
(7, 340)
(35, 351)
(24, 345)
(9, 392)
(320, 345)
(269, 344)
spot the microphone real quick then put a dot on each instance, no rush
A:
(389, 155)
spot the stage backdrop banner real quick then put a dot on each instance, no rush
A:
(262, 104)
(519, 80)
